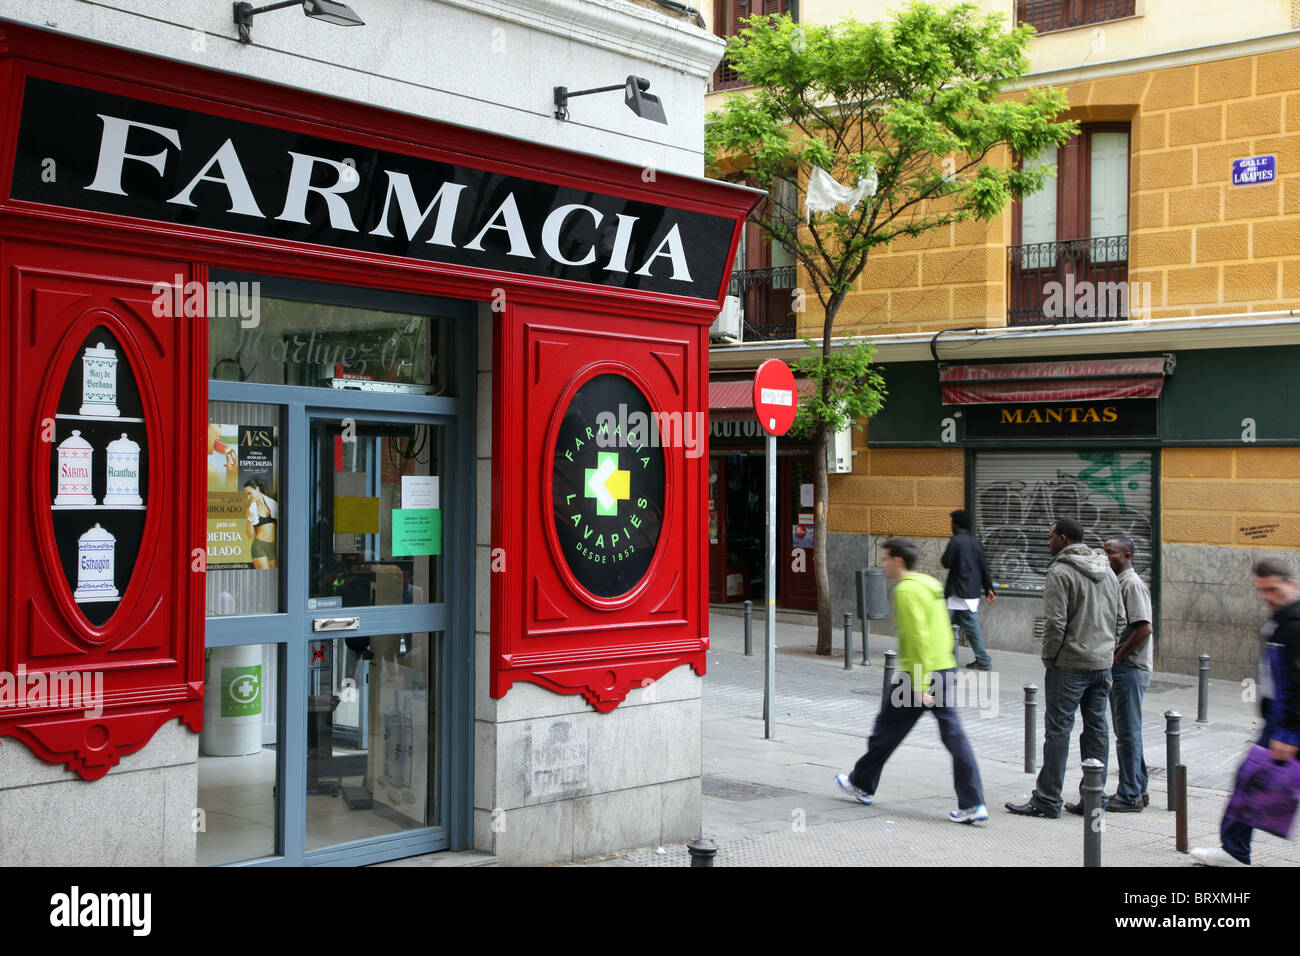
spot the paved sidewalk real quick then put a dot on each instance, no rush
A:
(775, 803)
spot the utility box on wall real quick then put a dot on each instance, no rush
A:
(102, 508)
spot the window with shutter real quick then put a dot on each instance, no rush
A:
(1046, 16)
(1018, 495)
(729, 15)
(1075, 229)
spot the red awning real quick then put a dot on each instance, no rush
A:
(734, 401)
(1088, 380)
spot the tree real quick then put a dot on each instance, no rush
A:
(914, 102)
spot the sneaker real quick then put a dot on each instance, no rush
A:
(1074, 808)
(969, 815)
(1215, 856)
(1115, 805)
(859, 795)
(977, 666)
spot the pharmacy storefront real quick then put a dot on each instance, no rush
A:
(313, 467)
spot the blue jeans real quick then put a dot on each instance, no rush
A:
(969, 622)
(1128, 686)
(898, 715)
(1068, 691)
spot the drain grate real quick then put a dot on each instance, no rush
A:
(741, 791)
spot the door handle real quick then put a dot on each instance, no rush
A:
(336, 624)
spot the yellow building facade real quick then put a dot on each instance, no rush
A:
(1166, 250)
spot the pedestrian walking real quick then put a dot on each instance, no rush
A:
(1130, 678)
(968, 578)
(926, 681)
(1081, 616)
(1278, 693)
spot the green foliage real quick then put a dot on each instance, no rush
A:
(916, 99)
(848, 389)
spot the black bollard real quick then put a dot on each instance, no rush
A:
(702, 852)
(1094, 813)
(1203, 691)
(848, 641)
(1179, 787)
(1031, 727)
(860, 585)
(749, 628)
(1173, 751)
(890, 667)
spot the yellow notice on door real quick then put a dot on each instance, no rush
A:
(356, 515)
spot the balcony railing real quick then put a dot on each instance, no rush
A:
(1048, 15)
(1076, 280)
(767, 297)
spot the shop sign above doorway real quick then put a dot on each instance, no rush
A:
(133, 157)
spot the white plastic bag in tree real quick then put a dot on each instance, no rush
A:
(824, 193)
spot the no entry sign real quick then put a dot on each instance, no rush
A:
(776, 397)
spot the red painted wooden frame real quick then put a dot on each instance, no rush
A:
(148, 656)
(600, 652)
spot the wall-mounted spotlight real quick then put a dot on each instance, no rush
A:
(340, 14)
(635, 98)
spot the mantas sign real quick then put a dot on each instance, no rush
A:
(1133, 418)
(86, 149)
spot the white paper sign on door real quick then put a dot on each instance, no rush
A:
(419, 491)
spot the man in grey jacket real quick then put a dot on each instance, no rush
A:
(1082, 615)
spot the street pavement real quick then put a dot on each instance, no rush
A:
(775, 803)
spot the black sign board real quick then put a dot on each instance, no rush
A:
(1132, 418)
(608, 485)
(85, 149)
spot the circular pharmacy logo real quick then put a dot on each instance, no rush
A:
(607, 485)
(245, 688)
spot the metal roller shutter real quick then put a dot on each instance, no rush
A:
(1019, 494)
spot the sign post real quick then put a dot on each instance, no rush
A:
(776, 399)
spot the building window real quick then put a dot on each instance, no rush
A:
(1072, 231)
(727, 22)
(1046, 16)
(1018, 496)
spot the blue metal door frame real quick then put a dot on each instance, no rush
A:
(291, 629)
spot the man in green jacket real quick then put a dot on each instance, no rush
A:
(926, 661)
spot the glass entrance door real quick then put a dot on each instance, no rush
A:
(340, 586)
(376, 615)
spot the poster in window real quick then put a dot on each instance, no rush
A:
(243, 497)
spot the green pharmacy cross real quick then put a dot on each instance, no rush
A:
(607, 483)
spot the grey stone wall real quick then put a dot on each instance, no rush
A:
(554, 780)
(140, 814)
(1208, 605)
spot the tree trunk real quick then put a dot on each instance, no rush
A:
(825, 626)
(821, 517)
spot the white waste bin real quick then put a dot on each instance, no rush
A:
(232, 702)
